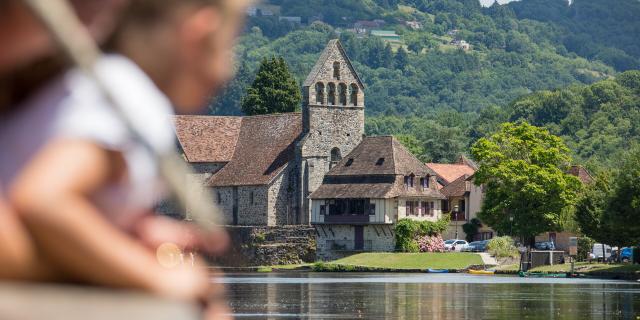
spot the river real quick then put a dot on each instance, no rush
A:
(427, 296)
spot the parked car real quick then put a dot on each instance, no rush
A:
(476, 246)
(601, 251)
(625, 253)
(455, 245)
(545, 246)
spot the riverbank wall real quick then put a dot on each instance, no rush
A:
(267, 246)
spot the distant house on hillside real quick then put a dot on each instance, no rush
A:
(297, 20)
(367, 192)
(462, 44)
(414, 25)
(263, 10)
(364, 26)
(464, 198)
(389, 36)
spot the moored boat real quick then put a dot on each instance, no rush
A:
(437, 270)
(482, 272)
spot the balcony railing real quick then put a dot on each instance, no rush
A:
(458, 216)
(348, 245)
(347, 218)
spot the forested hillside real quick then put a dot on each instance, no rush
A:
(442, 97)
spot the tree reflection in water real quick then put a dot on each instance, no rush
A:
(384, 296)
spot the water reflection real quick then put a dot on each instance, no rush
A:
(422, 296)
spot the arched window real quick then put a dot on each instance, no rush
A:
(336, 156)
(354, 94)
(342, 93)
(320, 93)
(336, 70)
(332, 94)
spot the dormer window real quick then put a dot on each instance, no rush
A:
(349, 162)
(424, 182)
(408, 181)
(380, 162)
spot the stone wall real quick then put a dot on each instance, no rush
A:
(328, 123)
(336, 241)
(282, 207)
(223, 199)
(266, 246)
(253, 206)
(194, 182)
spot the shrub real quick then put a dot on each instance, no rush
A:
(259, 238)
(471, 228)
(430, 243)
(585, 244)
(332, 267)
(407, 232)
(502, 247)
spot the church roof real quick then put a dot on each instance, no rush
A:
(317, 69)
(265, 145)
(206, 138)
(375, 169)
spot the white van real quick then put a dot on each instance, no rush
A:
(600, 251)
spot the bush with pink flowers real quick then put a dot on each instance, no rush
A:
(430, 243)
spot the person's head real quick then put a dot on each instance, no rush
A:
(185, 46)
(24, 39)
(28, 58)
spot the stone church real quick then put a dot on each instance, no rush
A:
(261, 170)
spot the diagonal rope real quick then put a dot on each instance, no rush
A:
(74, 39)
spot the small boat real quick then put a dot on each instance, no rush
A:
(541, 275)
(437, 270)
(482, 272)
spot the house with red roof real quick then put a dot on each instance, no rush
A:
(464, 198)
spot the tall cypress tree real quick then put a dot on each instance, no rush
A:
(274, 90)
(402, 58)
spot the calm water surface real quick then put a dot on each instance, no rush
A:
(427, 296)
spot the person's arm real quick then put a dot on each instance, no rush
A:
(53, 196)
(19, 259)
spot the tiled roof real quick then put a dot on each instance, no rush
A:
(581, 173)
(450, 172)
(363, 173)
(353, 190)
(457, 188)
(207, 138)
(266, 144)
(383, 155)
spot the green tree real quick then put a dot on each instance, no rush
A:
(527, 189)
(387, 57)
(274, 90)
(412, 144)
(624, 206)
(591, 208)
(402, 58)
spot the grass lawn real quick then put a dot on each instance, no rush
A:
(585, 267)
(412, 260)
(581, 267)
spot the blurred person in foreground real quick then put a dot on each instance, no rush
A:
(28, 61)
(85, 189)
